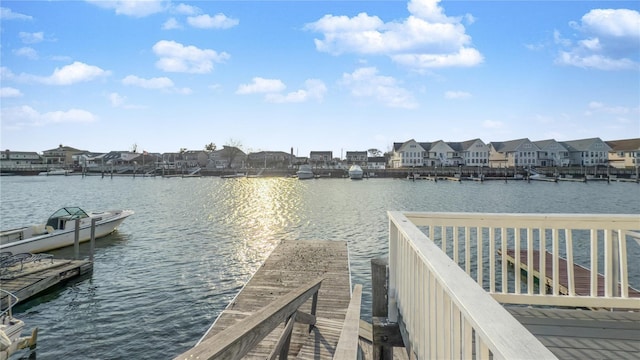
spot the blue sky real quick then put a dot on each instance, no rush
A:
(314, 75)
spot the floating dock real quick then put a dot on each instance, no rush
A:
(582, 275)
(283, 278)
(30, 278)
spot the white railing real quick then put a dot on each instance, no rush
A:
(486, 246)
(444, 290)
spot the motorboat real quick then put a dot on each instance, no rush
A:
(305, 172)
(59, 230)
(11, 339)
(355, 172)
(56, 172)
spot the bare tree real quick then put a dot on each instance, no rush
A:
(210, 147)
(232, 149)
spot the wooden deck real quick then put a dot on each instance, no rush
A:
(291, 265)
(30, 279)
(582, 275)
(583, 334)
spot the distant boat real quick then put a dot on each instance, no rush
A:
(305, 172)
(56, 172)
(355, 172)
(59, 230)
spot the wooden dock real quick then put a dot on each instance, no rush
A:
(27, 280)
(291, 265)
(582, 275)
(583, 334)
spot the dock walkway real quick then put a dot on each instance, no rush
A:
(582, 275)
(30, 279)
(291, 265)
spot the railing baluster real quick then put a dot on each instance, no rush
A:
(492, 260)
(467, 250)
(433, 338)
(543, 261)
(503, 239)
(530, 267)
(456, 245)
(568, 234)
(594, 262)
(516, 256)
(555, 262)
(480, 262)
(624, 274)
(608, 263)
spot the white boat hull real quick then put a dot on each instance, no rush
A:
(305, 172)
(63, 238)
(355, 172)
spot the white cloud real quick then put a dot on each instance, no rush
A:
(8, 14)
(117, 100)
(28, 52)
(366, 83)
(175, 57)
(261, 85)
(153, 83)
(596, 107)
(611, 41)
(314, 90)
(9, 92)
(74, 73)
(31, 38)
(426, 38)
(185, 9)
(456, 95)
(171, 24)
(26, 116)
(134, 8)
(218, 21)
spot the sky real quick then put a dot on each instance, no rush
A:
(163, 75)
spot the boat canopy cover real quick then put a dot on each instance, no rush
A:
(67, 213)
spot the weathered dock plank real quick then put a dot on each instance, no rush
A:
(290, 265)
(30, 279)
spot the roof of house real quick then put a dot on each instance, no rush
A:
(508, 146)
(580, 145)
(624, 145)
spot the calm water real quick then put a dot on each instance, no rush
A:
(162, 279)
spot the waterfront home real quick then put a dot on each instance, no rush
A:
(470, 153)
(520, 152)
(270, 159)
(552, 153)
(624, 153)
(60, 156)
(588, 152)
(321, 158)
(408, 154)
(228, 157)
(17, 159)
(357, 158)
(376, 163)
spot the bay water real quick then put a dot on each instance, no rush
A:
(161, 280)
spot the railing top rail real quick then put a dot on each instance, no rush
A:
(568, 221)
(237, 340)
(507, 338)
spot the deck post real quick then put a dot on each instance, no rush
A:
(379, 305)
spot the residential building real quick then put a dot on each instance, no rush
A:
(407, 154)
(441, 154)
(377, 162)
(321, 158)
(61, 156)
(270, 159)
(471, 152)
(587, 152)
(624, 153)
(16, 159)
(552, 153)
(357, 157)
(520, 152)
(227, 157)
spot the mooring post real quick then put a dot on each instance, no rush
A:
(93, 237)
(76, 241)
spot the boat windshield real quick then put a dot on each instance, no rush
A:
(69, 213)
